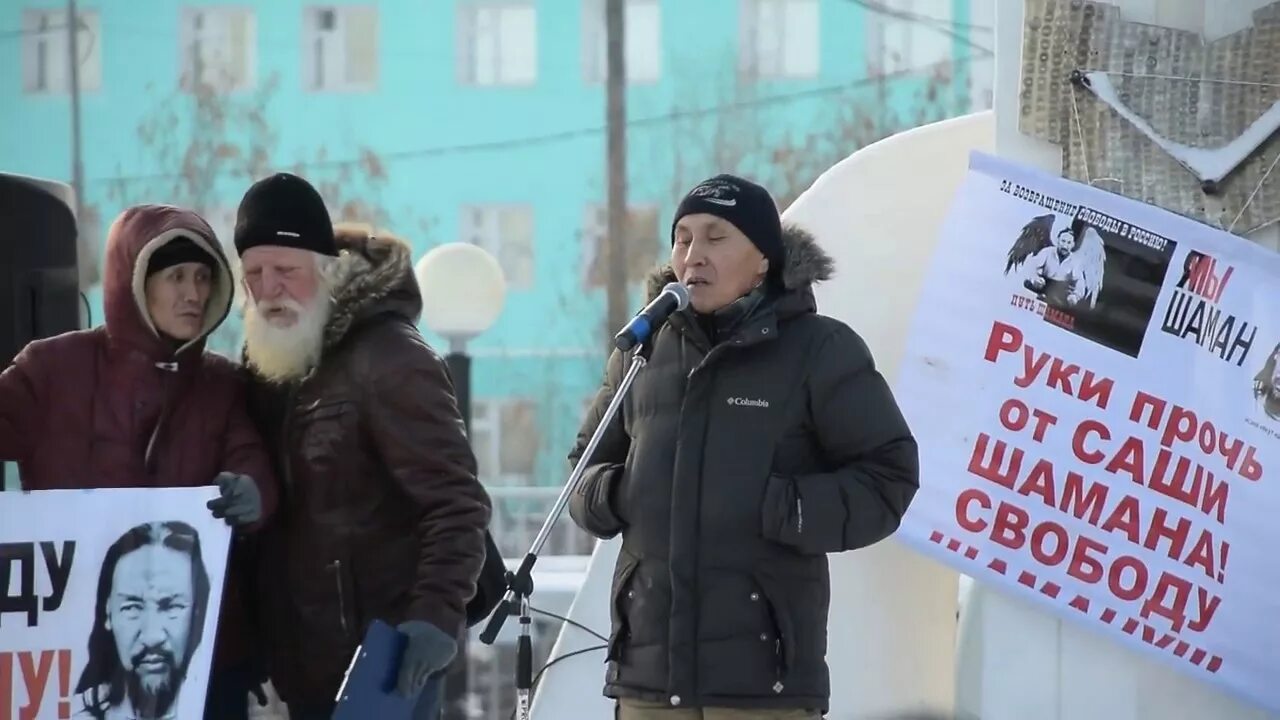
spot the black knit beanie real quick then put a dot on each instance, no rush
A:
(177, 251)
(748, 206)
(287, 211)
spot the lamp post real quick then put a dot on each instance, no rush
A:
(463, 290)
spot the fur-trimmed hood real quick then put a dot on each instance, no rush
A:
(806, 265)
(373, 276)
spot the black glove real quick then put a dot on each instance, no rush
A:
(428, 651)
(240, 502)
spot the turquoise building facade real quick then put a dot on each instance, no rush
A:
(478, 121)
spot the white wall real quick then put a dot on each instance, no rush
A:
(893, 618)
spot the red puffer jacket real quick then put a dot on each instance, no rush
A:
(117, 406)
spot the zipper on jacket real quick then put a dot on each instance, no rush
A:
(799, 516)
(779, 664)
(702, 468)
(342, 602)
(697, 539)
(780, 669)
(290, 398)
(149, 458)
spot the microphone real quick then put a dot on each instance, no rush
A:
(672, 298)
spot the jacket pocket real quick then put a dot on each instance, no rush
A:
(780, 510)
(383, 571)
(322, 428)
(344, 595)
(619, 607)
(774, 595)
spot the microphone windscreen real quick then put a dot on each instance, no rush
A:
(681, 292)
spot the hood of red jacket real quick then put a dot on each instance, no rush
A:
(137, 233)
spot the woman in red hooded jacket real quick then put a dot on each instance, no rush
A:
(139, 403)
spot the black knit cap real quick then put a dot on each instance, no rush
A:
(747, 205)
(284, 210)
(177, 251)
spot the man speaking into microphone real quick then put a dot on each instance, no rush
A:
(758, 438)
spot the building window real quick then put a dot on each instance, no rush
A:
(641, 244)
(222, 220)
(228, 338)
(506, 231)
(779, 39)
(46, 54)
(908, 35)
(497, 43)
(340, 48)
(90, 243)
(219, 48)
(505, 438)
(642, 45)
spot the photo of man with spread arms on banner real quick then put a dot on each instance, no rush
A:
(1093, 384)
(1086, 272)
(113, 614)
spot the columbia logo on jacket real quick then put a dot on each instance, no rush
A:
(748, 402)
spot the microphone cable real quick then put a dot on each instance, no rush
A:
(582, 651)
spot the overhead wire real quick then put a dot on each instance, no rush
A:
(582, 132)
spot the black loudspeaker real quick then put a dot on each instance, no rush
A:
(39, 282)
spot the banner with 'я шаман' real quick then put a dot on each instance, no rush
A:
(1095, 389)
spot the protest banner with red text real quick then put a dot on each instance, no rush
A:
(109, 601)
(1094, 386)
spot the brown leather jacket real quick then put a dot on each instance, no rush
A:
(381, 515)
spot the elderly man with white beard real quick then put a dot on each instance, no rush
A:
(381, 516)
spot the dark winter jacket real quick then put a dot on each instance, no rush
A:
(118, 406)
(731, 470)
(382, 515)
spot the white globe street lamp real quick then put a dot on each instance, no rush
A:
(463, 290)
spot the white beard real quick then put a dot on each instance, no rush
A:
(281, 354)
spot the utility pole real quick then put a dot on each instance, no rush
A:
(77, 163)
(615, 244)
(73, 64)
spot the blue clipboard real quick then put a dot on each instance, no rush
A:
(369, 689)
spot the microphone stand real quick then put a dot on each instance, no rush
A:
(520, 583)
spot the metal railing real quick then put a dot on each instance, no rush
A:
(518, 514)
